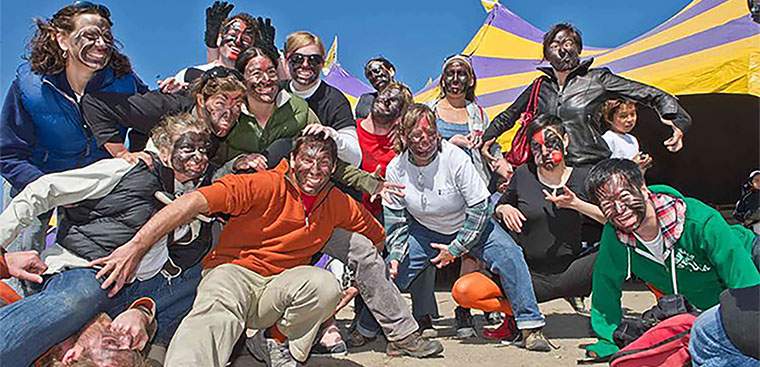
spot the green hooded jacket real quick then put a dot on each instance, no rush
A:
(710, 257)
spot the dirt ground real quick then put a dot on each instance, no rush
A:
(566, 329)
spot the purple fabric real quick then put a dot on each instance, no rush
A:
(695, 10)
(736, 29)
(322, 263)
(487, 67)
(502, 96)
(341, 79)
(504, 19)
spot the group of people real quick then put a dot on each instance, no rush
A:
(193, 217)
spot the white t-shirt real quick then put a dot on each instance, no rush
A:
(438, 194)
(623, 146)
(655, 246)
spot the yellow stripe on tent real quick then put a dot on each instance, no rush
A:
(497, 41)
(712, 18)
(499, 83)
(718, 69)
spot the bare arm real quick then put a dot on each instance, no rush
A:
(122, 262)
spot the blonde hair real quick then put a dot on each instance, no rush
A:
(174, 125)
(300, 39)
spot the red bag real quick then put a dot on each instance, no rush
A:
(520, 151)
(664, 345)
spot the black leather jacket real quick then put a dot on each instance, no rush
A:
(578, 104)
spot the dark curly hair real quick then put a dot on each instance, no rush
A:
(45, 55)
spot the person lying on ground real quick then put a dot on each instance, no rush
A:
(103, 205)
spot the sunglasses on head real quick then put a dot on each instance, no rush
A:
(221, 72)
(313, 60)
(102, 10)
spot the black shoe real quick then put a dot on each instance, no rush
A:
(337, 350)
(493, 318)
(464, 322)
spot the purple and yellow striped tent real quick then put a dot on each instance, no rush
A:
(340, 78)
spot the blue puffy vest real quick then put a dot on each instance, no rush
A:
(63, 140)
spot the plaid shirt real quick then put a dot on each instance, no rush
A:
(671, 214)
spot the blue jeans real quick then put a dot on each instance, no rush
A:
(500, 254)
(709, 345)
(70, 299)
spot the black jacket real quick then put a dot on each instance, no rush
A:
(104, 112)
(578, 104)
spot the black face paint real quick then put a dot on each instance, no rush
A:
(547, 148)
(563, 52)
(456, 78)
(388, 106)
(378, 75)
(93, 45)
(238, 37)
(261, 79)
(305, 69)
(189, 155)
(622, 204)
(221, 111)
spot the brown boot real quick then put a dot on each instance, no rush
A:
(534, 339)
(414, 345)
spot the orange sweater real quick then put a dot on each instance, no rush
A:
(269, 231)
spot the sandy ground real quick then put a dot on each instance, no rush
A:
(565, 329)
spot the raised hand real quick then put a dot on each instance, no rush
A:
(215, 16)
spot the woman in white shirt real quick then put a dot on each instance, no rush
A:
(444, 214)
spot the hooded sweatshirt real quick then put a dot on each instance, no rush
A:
(710, 256)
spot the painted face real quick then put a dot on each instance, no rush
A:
(261, 79)
(547, 148)
(236, 37)
(378, 75)
(624, 119)
(456, 78)
(564, 53)
(91, 41)
(388, 106)
(103, 346)
(312, 168)
(423, 141)
(189, 155)
(305, 65)
(622, 204)
(221, 111)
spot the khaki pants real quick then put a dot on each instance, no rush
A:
(232, 298)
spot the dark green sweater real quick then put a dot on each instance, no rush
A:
(710, 256)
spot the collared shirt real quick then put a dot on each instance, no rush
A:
(671, 214)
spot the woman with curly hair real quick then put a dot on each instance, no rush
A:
(41, 127)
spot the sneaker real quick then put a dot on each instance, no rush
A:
(578, 304)
(426, 328)
(493, 318)
(356, 339)
(270, 351)
(534, 339)
(414, 345)
(337, 350)
(506, 332)
(464, 322)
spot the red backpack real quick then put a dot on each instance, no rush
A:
(664, 345)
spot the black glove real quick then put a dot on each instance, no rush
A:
(265, 39)
(215, 16)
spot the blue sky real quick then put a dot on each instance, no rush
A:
(163, 36)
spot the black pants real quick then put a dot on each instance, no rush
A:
(575, 281)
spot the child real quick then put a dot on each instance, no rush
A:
(621, 116)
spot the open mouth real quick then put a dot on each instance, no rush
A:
(626, 220)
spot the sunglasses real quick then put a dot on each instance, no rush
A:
(313, 60)
(221, 72)
(102, 10)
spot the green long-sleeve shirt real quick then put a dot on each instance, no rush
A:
(710, 256)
